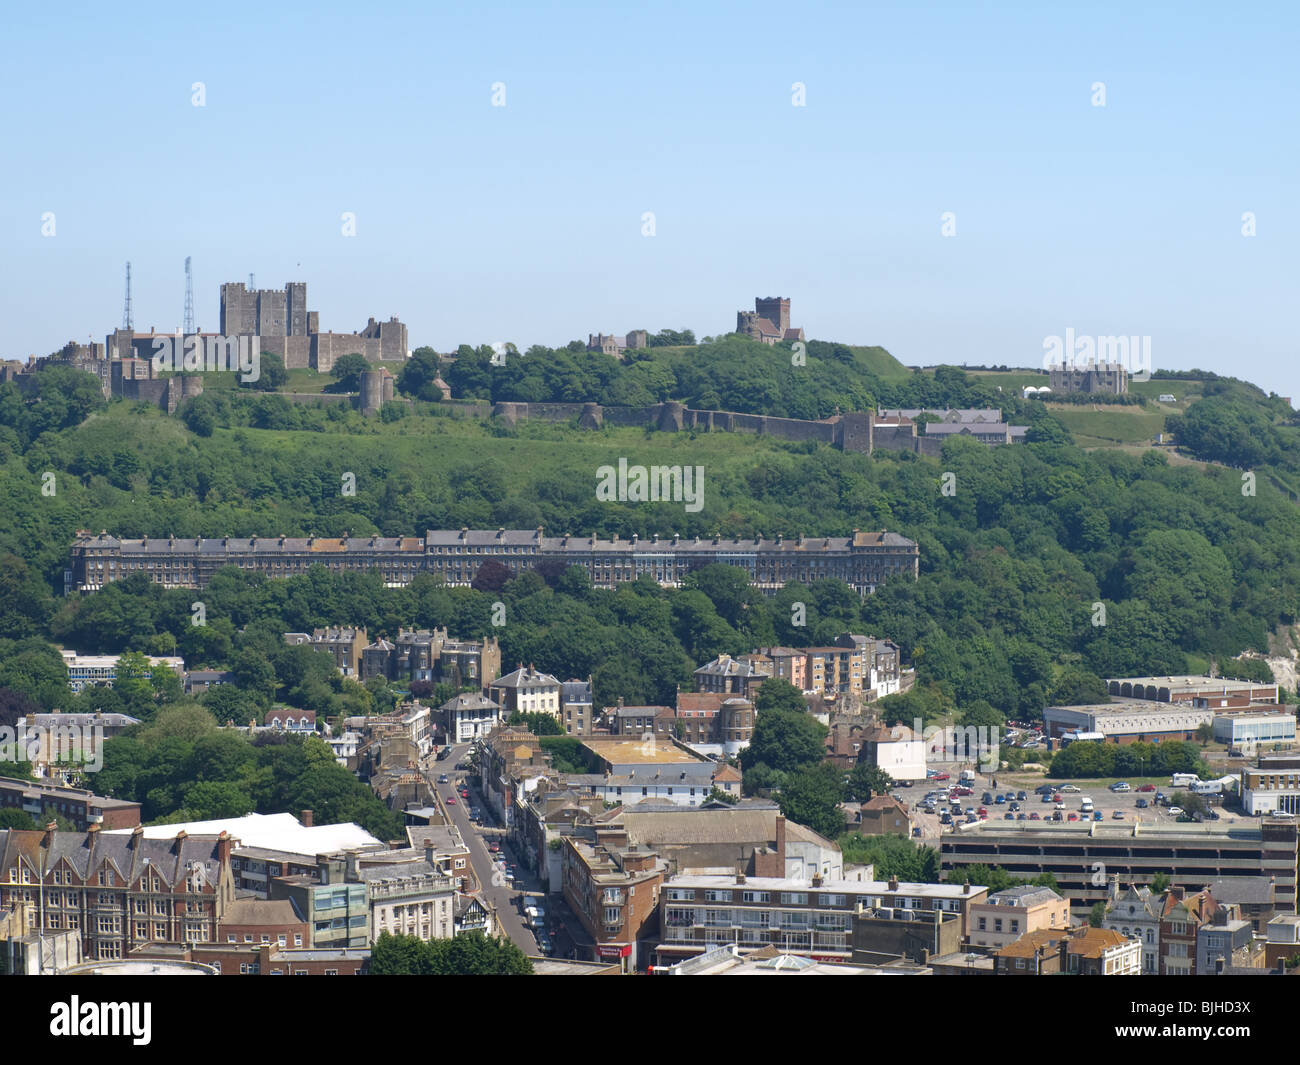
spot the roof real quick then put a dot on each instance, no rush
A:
(631, 751)
(173, 860)
(1031, 942)
(685, 826)
(1026, 895)
(846, 887)
(262, 911)
(1243, 890)
(525, 678)
(274, 832)
(1094, 942)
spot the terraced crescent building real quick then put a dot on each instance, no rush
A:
(864, 560)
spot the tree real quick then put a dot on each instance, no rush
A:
(779, 694)
(1097, 914)
(785, 741)
(539, 724)
(865, 781)
(347, 372)
(271, 376)
(469, 954)
(418, 376)
(11, 818)
(1205, 733)
(812, 798)
(1160, 883)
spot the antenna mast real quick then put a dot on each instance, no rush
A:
(189, 298)
(126, 310)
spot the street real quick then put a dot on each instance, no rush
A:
(500, 896)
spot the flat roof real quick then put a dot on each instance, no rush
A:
(270, 832)
(857, 887)
(636, 751)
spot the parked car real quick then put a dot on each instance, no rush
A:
(1073, 817)
(1118, 815)
(971, 819)
(1008, 816)
(1175, 811)
(442, 779)
(1142, 804)
(1044, 789)
(946, 819)
(1059, 805)
(494, 847)
(1021, 796)
(1015, 807)
(1096, 815)
(963, 790)
(1147, 787)
(1070, 787)
(987, 798)
(1058, 816)
(1035, 817)
(982, 811)
(1021, 817)
(939, 776)
(1120, 785)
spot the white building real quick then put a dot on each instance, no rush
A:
(897, 750)
(526, 691)
(1135, 912)
(88, 670)
(1272, 785)
(410, 898)
(1247, 730)
(469, 716)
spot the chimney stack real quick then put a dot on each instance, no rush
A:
(306, 819)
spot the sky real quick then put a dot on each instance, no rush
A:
(477, 223)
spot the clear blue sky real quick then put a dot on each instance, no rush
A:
(478, 223)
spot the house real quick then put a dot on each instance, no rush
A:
(468, 717)
(1102, 952)
(1181, 919)
(730, 676)
(344, 645)
(577, 709)
(883, 815)
(1135, 913)
(1005, 916)
(526, 691)
(1227, 940)
(294, 722)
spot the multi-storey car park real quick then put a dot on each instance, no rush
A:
(864, 560)
(1084, 857)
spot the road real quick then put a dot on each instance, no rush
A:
(502, 897)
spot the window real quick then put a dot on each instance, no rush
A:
(794, 898)
(717, 896)
(613, 915)
(755, 896)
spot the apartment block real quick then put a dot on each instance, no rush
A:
(83, 808)
(812, 917)
(613, 890)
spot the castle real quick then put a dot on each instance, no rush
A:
(769, 321)
(280, 321)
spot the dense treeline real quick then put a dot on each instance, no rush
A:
(1127, 760)
(1042, 558)
(181, 767)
